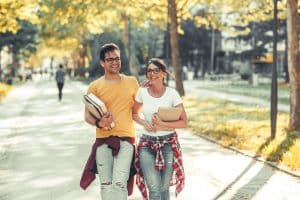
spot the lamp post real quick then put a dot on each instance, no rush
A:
(273, 114)
(212, 51)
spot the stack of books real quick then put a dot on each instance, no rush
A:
(96, 107)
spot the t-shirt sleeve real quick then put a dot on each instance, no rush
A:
(91, 88)
(135, 85)
(176, 98)
(139, 96)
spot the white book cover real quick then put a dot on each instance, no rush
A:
(98, 101)
(96, 106)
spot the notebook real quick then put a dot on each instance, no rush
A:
(169, 113)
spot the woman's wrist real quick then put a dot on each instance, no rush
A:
(144, 122)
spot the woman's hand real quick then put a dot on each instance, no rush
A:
(149, 127)
(159, 124)
(156, 120)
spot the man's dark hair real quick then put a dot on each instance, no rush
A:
(107, 48)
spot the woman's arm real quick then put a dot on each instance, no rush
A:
(181, 123)
(136, 117)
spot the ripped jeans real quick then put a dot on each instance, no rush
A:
(114, 171)
(157, 181)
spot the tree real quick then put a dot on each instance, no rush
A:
(195, 46)
(174, 46)
(63, 19)
(293, 64)
(22, 43)
(13, 12)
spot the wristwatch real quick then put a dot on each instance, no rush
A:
(97, 123)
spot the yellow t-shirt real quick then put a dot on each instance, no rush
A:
(118, 98)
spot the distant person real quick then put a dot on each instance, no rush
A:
(158, 150)
(28, 75)
(60, 80)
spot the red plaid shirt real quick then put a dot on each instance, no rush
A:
(178, 172)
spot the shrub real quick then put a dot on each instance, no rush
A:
(4, 89)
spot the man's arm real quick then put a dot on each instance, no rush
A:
(105, 121)
(89, 118)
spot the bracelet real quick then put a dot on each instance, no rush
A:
(97, 123)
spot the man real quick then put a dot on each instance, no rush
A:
(60, 80)
(113, 150)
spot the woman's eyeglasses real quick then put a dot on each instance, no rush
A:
(154, 71)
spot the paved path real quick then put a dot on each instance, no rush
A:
(194, 88)
(44, 145)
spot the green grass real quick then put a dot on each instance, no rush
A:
(246, 128)
(261, 91)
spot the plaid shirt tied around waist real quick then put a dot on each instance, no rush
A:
(178, 177)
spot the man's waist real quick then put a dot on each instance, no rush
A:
(101, 133)
(121, 138)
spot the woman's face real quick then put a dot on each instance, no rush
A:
(154, 74)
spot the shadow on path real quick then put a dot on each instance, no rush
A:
(248, 190)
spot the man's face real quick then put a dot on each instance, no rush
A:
(112, 62)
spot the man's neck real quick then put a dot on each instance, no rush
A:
(112, 77)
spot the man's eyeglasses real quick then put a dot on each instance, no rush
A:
(111, 60)
(154, 71)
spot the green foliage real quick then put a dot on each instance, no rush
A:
(4, 90)
(260, 36)
(196, 40)
(13, 12)
(25, 39)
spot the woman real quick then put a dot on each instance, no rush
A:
(158, 152)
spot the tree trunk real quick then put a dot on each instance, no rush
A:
(129, 47)
(293, 64)
(133, 61)
(0, 64)
(125, 40)
(132, 56)
(174, 46)
(83, 55)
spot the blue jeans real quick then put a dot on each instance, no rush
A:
(157, 181)
(114, 171)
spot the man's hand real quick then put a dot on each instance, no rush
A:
(145, 83)
(106, 120)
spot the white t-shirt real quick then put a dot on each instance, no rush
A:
(170, 98)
